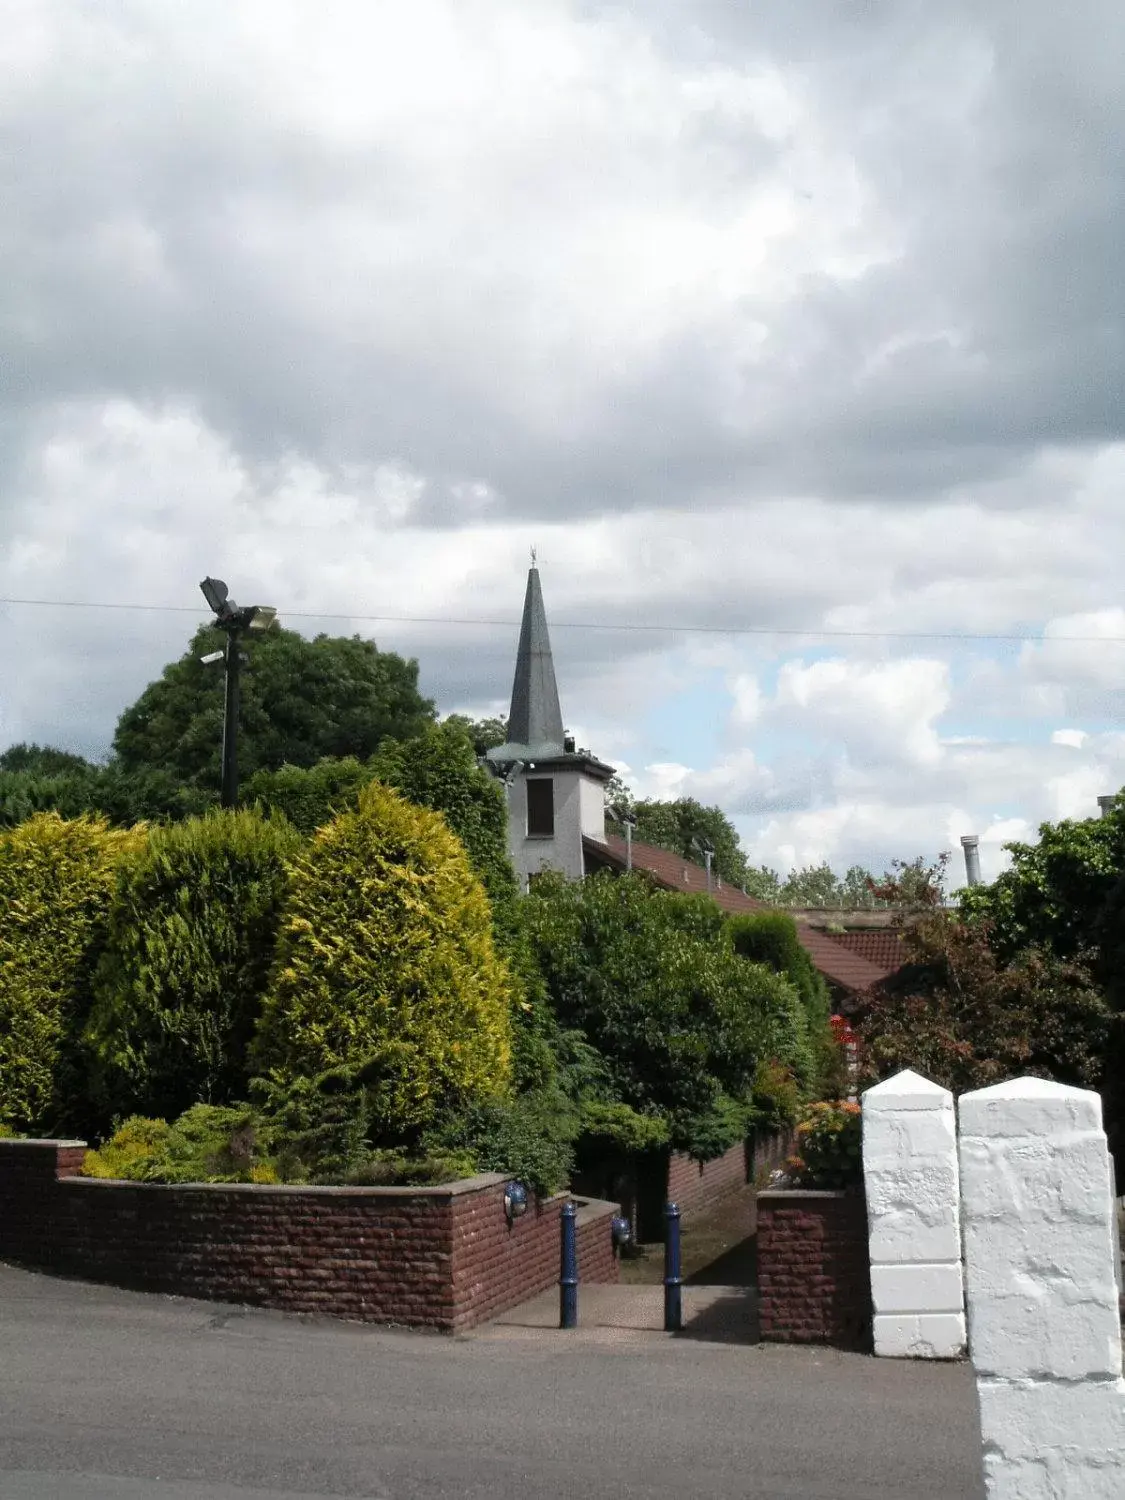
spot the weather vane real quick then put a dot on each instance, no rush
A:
(533, 556)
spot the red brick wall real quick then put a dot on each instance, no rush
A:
(694, 1184)
(443, 1257)
(814, 1272)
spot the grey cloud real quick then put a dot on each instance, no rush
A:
(1010, 218)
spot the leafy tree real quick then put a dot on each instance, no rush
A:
(483, 734)
(770, 938)
(122, 798)
(678, 1020)
(309, 796)
(1055, 892)
(438, 770)
(674, 825)
(964, 1017)
(42, 760)
(56, 882)
(913, 886)
(301, 700)
(179, 986)
(386, 972)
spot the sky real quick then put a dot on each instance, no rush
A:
(792, 337)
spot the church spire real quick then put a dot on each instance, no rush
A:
(536, 718)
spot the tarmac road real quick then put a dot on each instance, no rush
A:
(112, 1395)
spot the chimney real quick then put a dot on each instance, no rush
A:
(971, 845)
(1107, 804)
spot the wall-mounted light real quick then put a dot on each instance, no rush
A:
(515, 1201)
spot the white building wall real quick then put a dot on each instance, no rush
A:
(911, 1180)
(563, 852)
(591, 795)
(1044, 1325)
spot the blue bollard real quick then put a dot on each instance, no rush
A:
(673, 1281)
(568, 1268)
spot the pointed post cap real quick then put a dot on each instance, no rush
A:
(1029, 1106)
(906, 1090)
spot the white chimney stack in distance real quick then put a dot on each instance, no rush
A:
(971, 845)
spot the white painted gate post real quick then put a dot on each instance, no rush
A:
(1044, 1325)
(910, 1178)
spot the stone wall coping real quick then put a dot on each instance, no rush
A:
(442, 1190)
(7, 1141)
(787, 1195)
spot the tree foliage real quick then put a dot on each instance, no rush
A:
(309, 796)
(301, 700)
(386, 970)
(1054, 895)
(438, 769)
(677, 1018)
(179, 986)
(121, 797)
(966, 1018)
(57, 879)
(674, 825)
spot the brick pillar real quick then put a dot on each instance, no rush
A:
(1044, 1325)
(911, 1179)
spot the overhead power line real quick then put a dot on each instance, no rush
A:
(632, 626)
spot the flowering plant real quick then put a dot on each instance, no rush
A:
(829, 1147)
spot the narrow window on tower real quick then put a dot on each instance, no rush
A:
(540, 807)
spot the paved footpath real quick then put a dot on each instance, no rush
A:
(111, 1395)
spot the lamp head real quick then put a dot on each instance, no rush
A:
(515, 1201)
(216, 593)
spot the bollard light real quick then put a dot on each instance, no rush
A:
(621, 1231)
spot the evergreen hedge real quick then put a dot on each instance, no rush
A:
(386, 970)
(179, 987)
(56, 882)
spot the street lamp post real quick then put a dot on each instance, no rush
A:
(233, 621)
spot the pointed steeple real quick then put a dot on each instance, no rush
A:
(536, 718)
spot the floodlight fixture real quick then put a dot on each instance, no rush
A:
(232, 621)
(216, 593)
(211, 657)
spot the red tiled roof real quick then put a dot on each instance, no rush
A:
(850, 971)
(882, 946)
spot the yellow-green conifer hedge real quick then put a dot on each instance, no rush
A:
(57, 880)
(386, 968)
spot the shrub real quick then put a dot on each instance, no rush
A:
(56, 883)
(208, 1143)
(386, 968)
(770, 938)
(310, 796)
(961, 1016)
(778, 1096)
(439, 770)
(191, 939)
(678, 1019)
(829, 1146)
(530, 1137)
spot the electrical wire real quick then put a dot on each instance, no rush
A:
(603, 625)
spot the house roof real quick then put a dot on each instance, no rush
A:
(849, 971)
(882, 946)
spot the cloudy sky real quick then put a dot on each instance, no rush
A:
(792, 337)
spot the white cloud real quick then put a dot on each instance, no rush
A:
(729, 314)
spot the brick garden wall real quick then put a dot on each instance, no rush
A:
(694, 1184)
(443, 1257)
(814, 1274)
